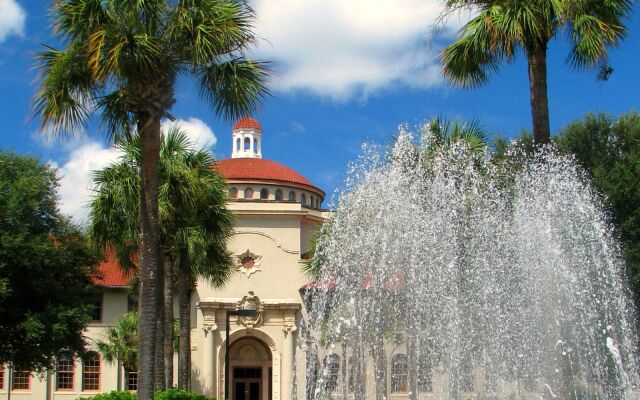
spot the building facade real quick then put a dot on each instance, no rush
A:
(277, 210)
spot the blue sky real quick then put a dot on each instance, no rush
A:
(345, 72)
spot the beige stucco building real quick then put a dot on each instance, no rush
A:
(276, 211)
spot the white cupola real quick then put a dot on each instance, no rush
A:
(247, 139)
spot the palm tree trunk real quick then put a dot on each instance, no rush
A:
(537, 60)
(184, 355)
(159, 366)
(149, 253)
(168, 320)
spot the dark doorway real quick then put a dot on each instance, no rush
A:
(247, 383)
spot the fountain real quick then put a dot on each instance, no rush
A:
(447, 276)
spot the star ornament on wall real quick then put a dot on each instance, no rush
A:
(248, 263)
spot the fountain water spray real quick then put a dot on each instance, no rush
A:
(444, 275)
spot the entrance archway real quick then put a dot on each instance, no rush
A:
(250, 367)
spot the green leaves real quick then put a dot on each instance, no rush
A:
(45, 267)
(121, 342)
(64, 99)
(194, 222)
(123, 58)
(235, 87)
(501, 28)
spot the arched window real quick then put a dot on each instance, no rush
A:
(233, 193)
(303, 199)
(264, 194)
(425, 377)
(247, 144)
(332, 372)
(311, 201)
(91, 372)
(64, 372)
(248, 193)
(278, 195)
(255, 145)
(292, 195)
(399, 374)
(238, 143)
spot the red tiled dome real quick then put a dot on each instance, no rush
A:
(246, 123)
(258, 169)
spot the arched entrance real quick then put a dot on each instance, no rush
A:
(250, 365)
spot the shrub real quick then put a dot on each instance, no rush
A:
(114, 395)
(178, 394)
(171, 394)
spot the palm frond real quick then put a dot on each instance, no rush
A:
(64, 99)
(234, 88)
(211, 29)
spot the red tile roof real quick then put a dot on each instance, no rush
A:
(252, 169)
(246, 123)
(110, 273)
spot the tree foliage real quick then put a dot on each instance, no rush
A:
(121, 61)
(46, 294)
(608, 149)
(502, 29)
(121, 342)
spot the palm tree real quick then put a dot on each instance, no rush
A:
(122, 60)
(121, 342)
(501, 28)
(194, 227)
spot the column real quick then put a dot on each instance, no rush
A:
(208, 366)
(251, 151)
(288, 352)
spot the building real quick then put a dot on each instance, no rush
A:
(276, 210)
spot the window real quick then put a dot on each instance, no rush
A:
(311, 202)
(248, 193)
(425, 378)
(352, 374)
(399, 374)
(278, 195)
(64, 373)
(332, 372)
(292, 195)
(21, 380)
(303, 198)
(247, 144)
(238, 144)
(132, 302)
(131, 380)
(255, 145)
(96, 310)
(264, 194)
(91, 372)
(233, 193)
(1, 376)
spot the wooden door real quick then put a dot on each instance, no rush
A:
(247, 384)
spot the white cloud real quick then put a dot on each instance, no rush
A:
(12, 18)
(340, 49)
(197, 130)
(75, 177)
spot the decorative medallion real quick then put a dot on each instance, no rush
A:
(248, 263)
(250, 302)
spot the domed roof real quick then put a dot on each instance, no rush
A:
(246, 123)
(258, 169)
